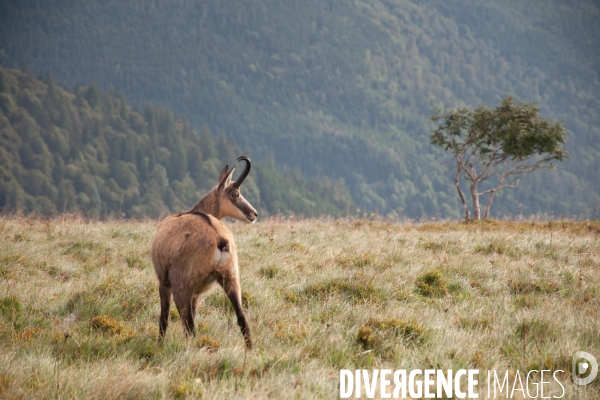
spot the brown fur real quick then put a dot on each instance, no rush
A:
(193, 251)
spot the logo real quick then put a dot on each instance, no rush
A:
(581, 368)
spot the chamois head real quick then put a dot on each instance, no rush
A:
(231, 202)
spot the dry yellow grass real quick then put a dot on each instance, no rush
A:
(79, 307)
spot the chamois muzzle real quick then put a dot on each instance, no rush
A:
(251, 215)
(244, 173)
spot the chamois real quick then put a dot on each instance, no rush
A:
(193, 250)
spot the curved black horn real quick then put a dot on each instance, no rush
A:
(244, 173)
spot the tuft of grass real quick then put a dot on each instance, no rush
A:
(10, 262)
(381, 334)
(112, 326)
(291, 297)
(180, 389)
(27, 334)
(497, 247)
(549, 361)
(269, 272)
(4, 382)
(431, 284)
(290, 332)
(478, 324)
(133, 261)
(535, 330)
(352, 290)
(10, 306)
(83, 250)
(526, 301)
(132, 307)
(445, 246)
(356, 260)
(524, 286)
(591, 295)
(20, 237)
(208, 343)
(13, 259)
(478, 361)
(430, 245)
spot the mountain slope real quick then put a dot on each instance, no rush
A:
(340, 89)
(91, 151)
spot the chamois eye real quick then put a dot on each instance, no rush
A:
(235, 195)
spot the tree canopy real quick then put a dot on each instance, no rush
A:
(497, 147)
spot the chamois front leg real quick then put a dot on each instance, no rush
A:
(231, 286)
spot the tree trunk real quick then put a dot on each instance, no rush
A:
(475, 198)
(489, 203)
(461, 194)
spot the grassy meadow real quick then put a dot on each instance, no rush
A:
(79, 307)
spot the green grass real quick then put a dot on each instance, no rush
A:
(431, 284)
(79, 307)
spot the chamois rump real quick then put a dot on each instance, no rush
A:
(193, 251)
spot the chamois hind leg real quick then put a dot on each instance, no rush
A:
(165, 307)
(232, 289)
(185, 306)
(195, 304)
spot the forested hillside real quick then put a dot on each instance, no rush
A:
(90, 151)
(340, 89)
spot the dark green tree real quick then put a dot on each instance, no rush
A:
(497, 147)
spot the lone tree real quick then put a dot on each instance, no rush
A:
(498, 146)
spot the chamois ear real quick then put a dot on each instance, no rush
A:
(223, 173)
(225, 177)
